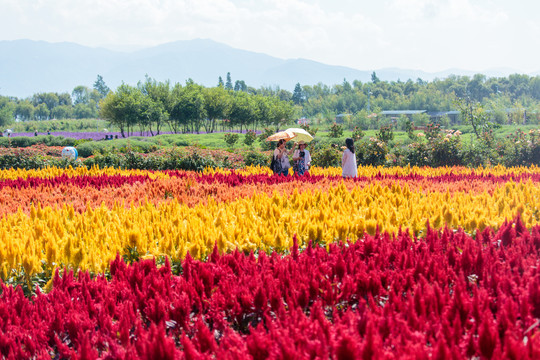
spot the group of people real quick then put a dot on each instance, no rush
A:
(302, 159)
(36, 133)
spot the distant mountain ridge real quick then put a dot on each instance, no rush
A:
(28, 67)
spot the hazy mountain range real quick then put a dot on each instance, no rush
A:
(28, 67)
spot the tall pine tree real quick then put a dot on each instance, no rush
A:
(228, 84)
(100, 86)
(298, 94)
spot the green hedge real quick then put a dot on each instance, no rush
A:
(169, 160)
(27, 141)
(121, 145)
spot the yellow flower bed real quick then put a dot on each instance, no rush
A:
(89, 240)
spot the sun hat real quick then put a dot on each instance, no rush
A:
(301, 142)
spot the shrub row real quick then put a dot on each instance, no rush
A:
(26, 141)
(434, 148)
(37, 157)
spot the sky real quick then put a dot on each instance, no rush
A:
(429, 35)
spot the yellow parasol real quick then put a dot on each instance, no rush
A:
(282, 135)
(300, 135)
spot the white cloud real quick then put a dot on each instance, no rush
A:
(428, 34)
(448, 10)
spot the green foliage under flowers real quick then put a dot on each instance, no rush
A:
(254, 158)
(385, 134)
(335, 131)
(432, 131)
(326, 156)
(516, 149)
(250, 137)
(371, 152)
(446, 148)
(357, 134)
(408, 126)
(29, 284)
(231, 139)
(435, 147)
(309, 129)
(522, 148)
(266, 145)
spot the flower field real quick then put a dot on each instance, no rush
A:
(400, 262)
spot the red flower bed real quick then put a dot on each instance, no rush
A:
(235, 179)
(445, 296)
(97, 182)
(34, 150)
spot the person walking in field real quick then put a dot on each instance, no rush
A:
(348, 160)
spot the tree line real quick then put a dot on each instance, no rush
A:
(192, 107)
(502, 93)
(152, 106)
(82, 103)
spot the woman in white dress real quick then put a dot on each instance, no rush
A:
(348, 160)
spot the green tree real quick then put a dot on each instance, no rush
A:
(263, 110)
(62, 112)
(7, 109)
(281, 112)
(151, 112)
(535, 87)
(188, 108)
(94, 96)
(41, 112)
(374, 78)
(241, 111)
(123, 108)
(472, 113)
(85, 111)
(347, 88)
(216, 105)
(228, 84)
(80, 95)
(50, 99)
(284, 95)
(101, 87)
(64, 99)
(24, 110)
(240, 85)
(155, 110)
(298, 94)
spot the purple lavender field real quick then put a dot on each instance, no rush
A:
(95, 135)
(100, 135)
